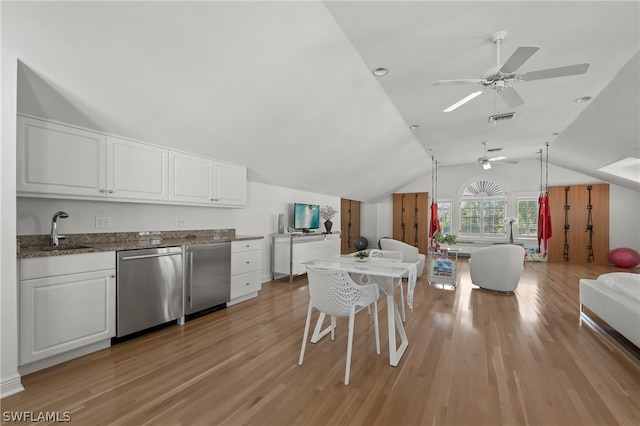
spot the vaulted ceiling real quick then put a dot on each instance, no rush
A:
(287, 89)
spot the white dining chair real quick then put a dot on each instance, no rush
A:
(394, 256)
(334, 293)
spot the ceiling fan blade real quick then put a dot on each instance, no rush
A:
(466, 81)
(463, 101)
(502, 160)
(519, 57)
(555, 72)
(511, 97)
(497, 158)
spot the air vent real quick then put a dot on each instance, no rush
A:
(501, 117)
(494, 150)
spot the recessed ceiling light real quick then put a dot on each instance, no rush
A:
(379, 72)
(583, 99)
(414, 127)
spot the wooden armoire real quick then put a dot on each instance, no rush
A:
(580, 224)
(411, 219)
(349, 224)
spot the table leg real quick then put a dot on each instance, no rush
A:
(395, 322)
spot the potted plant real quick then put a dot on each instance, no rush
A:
(362, 256)
(441, 238)
(327, 213)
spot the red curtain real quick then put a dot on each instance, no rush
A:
(435, 221)
(544, 222)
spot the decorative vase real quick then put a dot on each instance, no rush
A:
(511, 233)
(328, 224)
(281, 223)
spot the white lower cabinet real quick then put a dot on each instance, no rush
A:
(67, 307)
(246, 270)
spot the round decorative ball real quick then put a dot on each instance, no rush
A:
(361, 243)
(624, 257)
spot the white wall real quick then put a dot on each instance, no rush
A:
(258, 219)
(9, 377)
(520, 179)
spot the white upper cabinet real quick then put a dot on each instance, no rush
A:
(59, 160)
(230, 184)
(205, 181)
(190, 178)
(136, 170)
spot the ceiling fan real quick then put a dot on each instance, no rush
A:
(500, 77)
(485, 161)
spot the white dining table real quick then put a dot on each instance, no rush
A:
(379, 267)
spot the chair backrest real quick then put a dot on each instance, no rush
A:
(333, 292)
(497, 267)
(386, 254)
(409, 252)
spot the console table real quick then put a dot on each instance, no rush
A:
(289, 252)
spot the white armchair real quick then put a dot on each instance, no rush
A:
(410, 253)
(497, 268)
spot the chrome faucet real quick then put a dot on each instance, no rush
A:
(55, 238)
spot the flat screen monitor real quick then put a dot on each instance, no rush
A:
(306, 216)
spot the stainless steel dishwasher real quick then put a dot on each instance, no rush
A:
(207, 277)
(149, 288)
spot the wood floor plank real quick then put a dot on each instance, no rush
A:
(474, 358)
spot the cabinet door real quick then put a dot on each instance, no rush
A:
(190, 178)
(230, 184)
(58, 159)
(65, 312)
(136, 170)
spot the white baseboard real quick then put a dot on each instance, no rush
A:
(10, 386)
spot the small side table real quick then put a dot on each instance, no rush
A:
(444, 270)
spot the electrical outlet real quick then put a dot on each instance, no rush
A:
(180, 222)
(103, 222)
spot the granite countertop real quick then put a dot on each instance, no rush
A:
(29, 246)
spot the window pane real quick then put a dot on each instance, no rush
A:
(444, 214)
(493, 217)
(528, 217)
(470, 217)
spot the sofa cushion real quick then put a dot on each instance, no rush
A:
(624, 283)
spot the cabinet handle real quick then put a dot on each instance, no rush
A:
(248, 284)
(111, 191)
(248, 262)
(103, 191)
(113, 276)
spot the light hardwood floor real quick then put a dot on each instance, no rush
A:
(474, 358)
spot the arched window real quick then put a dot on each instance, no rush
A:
(482, 210)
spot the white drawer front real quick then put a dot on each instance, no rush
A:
(246, 245)
(247, 261)
(245, 283)
(49, 266)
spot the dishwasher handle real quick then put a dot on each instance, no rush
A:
(190, 279)
(146, 256)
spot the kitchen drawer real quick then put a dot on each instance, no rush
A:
(245, 245)
(49, 266)
(247, 261)
(245, 283)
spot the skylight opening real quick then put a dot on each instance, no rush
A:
(627, 168)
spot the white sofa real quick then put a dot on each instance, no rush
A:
(410, 254)
(615, 298)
